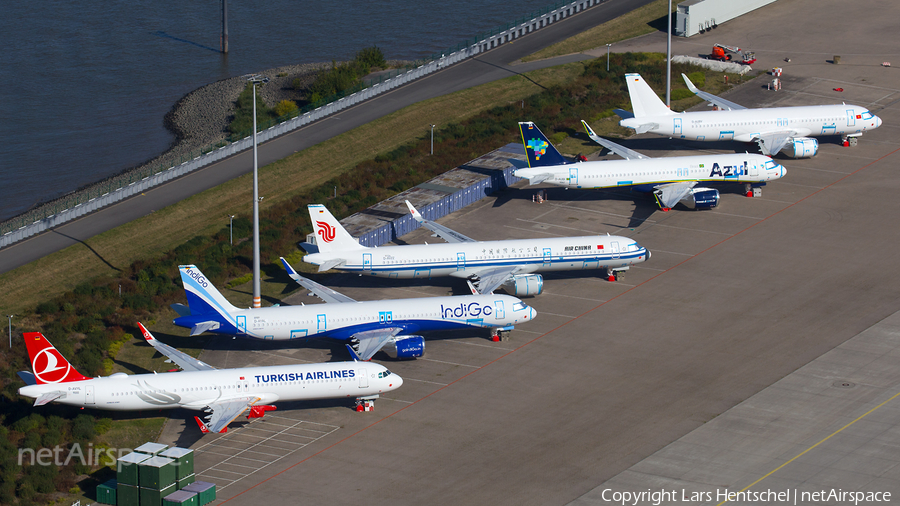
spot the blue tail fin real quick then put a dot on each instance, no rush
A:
(202, 296)
(538, 148)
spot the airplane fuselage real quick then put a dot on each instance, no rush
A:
(342, 321)
(197, 389)
(746, 125)
(463, 259)
(644, 174)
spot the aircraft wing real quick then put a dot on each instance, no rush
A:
(442, 231)
(320, 291)
(225, 412)
(179, 358)
(370, 341)
(491, 279)
(669, 194)
(618, 149)
(49, 397)
(770, 143)
(721, 103)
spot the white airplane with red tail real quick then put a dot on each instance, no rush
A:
(222, 394)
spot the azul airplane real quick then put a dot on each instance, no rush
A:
(774, 129)
(671, 179)
(223, 394)
(486, 265)
(366, 326)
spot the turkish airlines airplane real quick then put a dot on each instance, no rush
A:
(366, 326)
(485, 265)
(670, 179)
(774, 129)
(223, 394)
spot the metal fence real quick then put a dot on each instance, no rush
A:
(99, 196)
(405, 224)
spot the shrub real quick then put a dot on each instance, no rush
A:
(285, 107)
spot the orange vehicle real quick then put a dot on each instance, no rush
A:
(730, 53)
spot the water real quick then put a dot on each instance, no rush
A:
(85, 85)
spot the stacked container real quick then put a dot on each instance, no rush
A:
(184, 465)
(206, 492)
(128, 479)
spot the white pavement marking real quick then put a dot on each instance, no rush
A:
(212, 472)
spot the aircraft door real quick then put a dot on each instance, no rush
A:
(829, 129)
(547, 257)
(363, 378)
(242, 324)
(367, 261)
(89, 394)
(726, 135)
(460, 261)
(296, 334)
(754, 170)
(573, 176)
(322, 323)
(243, 386)
(422, 273)
(498, 310)
(615, 249)
(677, 127)
(851, 118)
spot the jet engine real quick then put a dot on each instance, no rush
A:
(529, 284)
(405, 347)
(702, 198)
(802, 147)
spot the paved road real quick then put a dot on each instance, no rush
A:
(487, 67)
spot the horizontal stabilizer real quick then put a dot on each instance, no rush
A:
(202, 327)
(645, 127)
(539, 178)
(622, 113)
(181, 309)
(49, 397)
(27, 377)
(309, 247)
(331, 264)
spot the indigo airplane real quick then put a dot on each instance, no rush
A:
(485, 265)
(774, 129)
(222, 394)
(366, 326)
(671, 179)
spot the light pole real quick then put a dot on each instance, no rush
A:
(256, 79)
(607, 57)
(231, 230)
(669, 59)
(10, 316)
(432, 139)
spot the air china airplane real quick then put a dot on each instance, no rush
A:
(366, 326)
(486, 265)
(223, 394)
(774, 129)
(671, 179)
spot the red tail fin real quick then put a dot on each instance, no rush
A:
(47, 362)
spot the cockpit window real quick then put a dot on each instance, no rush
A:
(867, 115)
(770, 164)
(519, 306)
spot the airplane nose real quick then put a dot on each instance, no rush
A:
(877, 121)
(783, 170)
(396, 381)
(531, 313)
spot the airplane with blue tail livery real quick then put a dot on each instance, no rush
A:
(365, 326)
(485, 265)
(221, 394)
(775, 129)
(670, 179)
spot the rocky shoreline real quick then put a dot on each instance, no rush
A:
(200, 119)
